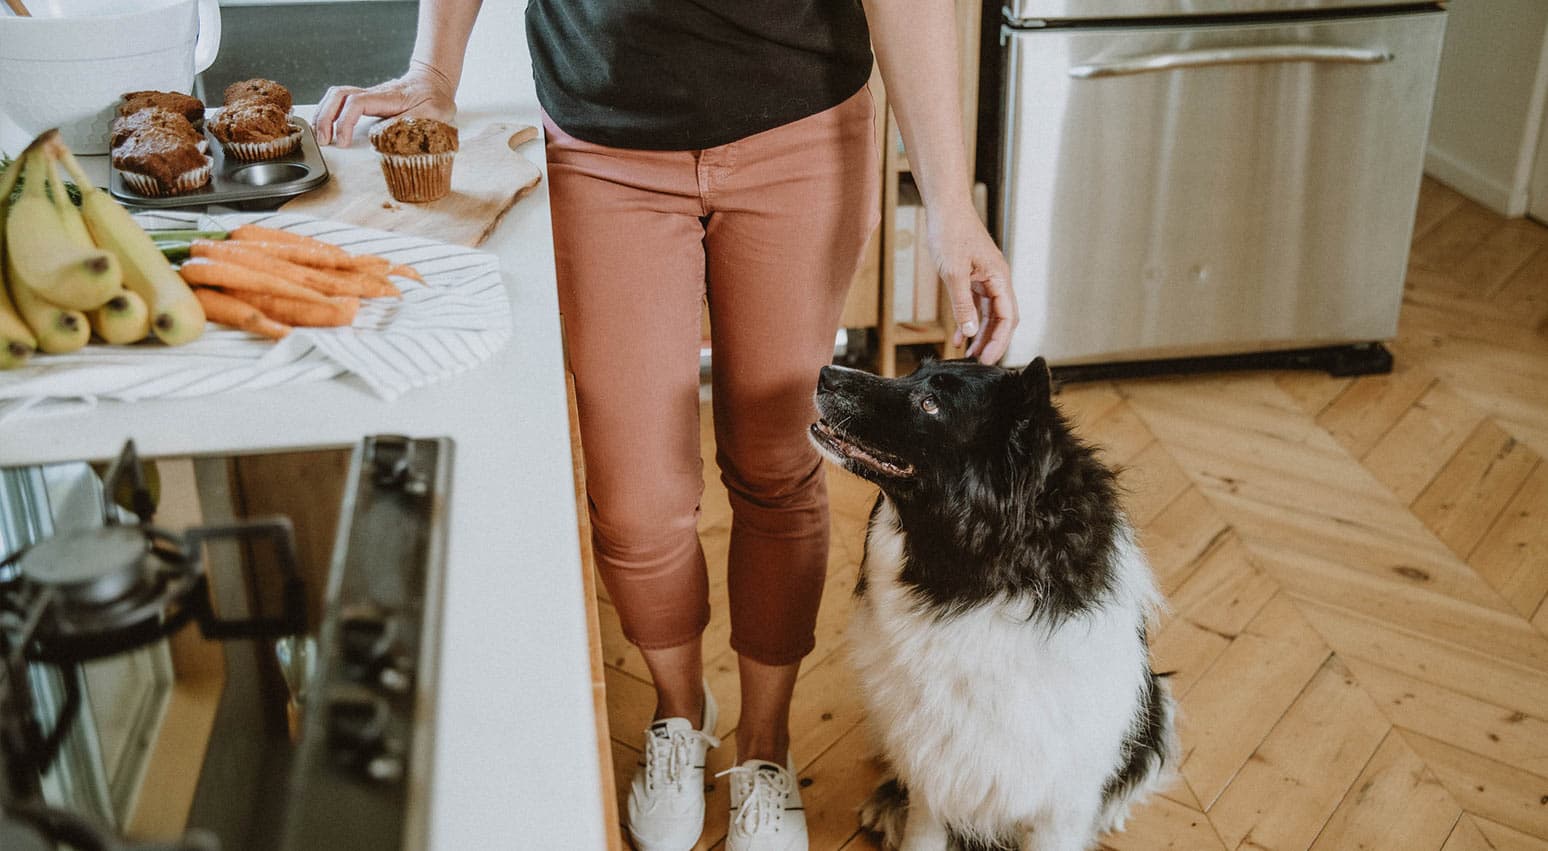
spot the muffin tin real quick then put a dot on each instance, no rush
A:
(240, 183)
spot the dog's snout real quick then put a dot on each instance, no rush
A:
(827, 379)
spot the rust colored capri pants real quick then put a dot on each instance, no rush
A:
(771, 229)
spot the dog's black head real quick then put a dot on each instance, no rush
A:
(921, 434)
(996, 494)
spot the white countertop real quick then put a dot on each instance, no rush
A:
(515, 742)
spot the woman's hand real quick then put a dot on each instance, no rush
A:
(421, 92)
(977, 279)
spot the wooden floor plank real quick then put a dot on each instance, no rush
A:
(1118, 435)
(1502, 838)
(1454, 237)
(833, 787)
(1365, 412)
(1473, 488)
(1408, 604)
(1086, 402)
(1396, 802)
(1150, 482)
(1525, 294)
(1180, 536)
(1401, 550)
(1186, 651)
(1436, 202)
(1500, 256)
(1467, 836)
(1226, 592)
(1514, 798)
(1408, 457)
(1242, 696)
(1513, 555)
(1311, 391)
(1295, 780)
(1477, 674)
(1164, 825)
(1509, 736)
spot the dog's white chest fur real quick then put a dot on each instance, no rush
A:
(994, 719)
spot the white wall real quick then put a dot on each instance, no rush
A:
(1489, 100)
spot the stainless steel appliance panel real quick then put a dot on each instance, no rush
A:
(1191, 190)
(1069, 10)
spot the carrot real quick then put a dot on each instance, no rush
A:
(259, 233)
(222, 308)
(329, 282)
(334, 312)
(230, 276)
(406, 271)
(309, 251)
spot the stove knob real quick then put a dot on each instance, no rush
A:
(369, 640)
(357, 726)
(367, 634)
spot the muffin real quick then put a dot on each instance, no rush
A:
(254, 130)
(266, 91)
(417, 156)
(188, 106)
(156, 117)
(154, 162)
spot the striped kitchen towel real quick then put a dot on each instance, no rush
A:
(454, 321)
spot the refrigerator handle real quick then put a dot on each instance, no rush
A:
(1256, 55)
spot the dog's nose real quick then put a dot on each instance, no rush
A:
(827, 378)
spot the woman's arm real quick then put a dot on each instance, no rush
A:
(916, 46)
(428, 88)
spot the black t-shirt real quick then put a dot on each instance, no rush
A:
(689, 74)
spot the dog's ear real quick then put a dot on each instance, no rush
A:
(1037, 383)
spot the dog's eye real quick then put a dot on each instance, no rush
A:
(928, 405)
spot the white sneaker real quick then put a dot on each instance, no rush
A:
(766, 813)
(666, 797)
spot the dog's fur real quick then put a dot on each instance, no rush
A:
(999, 631)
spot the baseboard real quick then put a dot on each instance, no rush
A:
(1462, 176)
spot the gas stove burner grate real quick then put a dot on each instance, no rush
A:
(91, 593)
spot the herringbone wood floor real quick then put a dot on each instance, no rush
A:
(1356, 568)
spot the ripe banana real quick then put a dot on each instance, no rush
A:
(123, 320)
(16, 340)
(58, 330)
(44, 254)
(176, 316)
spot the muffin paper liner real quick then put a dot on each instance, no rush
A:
(270, 150)
(417, 178)
(150, 187)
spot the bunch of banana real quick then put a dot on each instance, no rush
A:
(66, 271)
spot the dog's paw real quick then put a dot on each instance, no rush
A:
(885, 812)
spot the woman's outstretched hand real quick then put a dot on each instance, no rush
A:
(421, 92)
(977, 279)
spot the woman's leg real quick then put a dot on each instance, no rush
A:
(628, 248)
(793, 209)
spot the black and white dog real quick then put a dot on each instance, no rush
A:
(999, 631)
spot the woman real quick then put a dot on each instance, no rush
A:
(718, 148)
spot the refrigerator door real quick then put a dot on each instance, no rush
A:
(1078, 10)
(1176, 190)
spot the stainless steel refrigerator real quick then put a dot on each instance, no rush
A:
(1189, 178)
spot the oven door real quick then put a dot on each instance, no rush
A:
(1191, 190)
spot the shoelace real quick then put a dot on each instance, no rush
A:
(667, 756)
(764, 806)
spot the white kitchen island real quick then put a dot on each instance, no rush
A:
(516, 755)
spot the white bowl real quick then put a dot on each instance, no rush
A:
(67, 65)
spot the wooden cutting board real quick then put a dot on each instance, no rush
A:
(488, 178)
